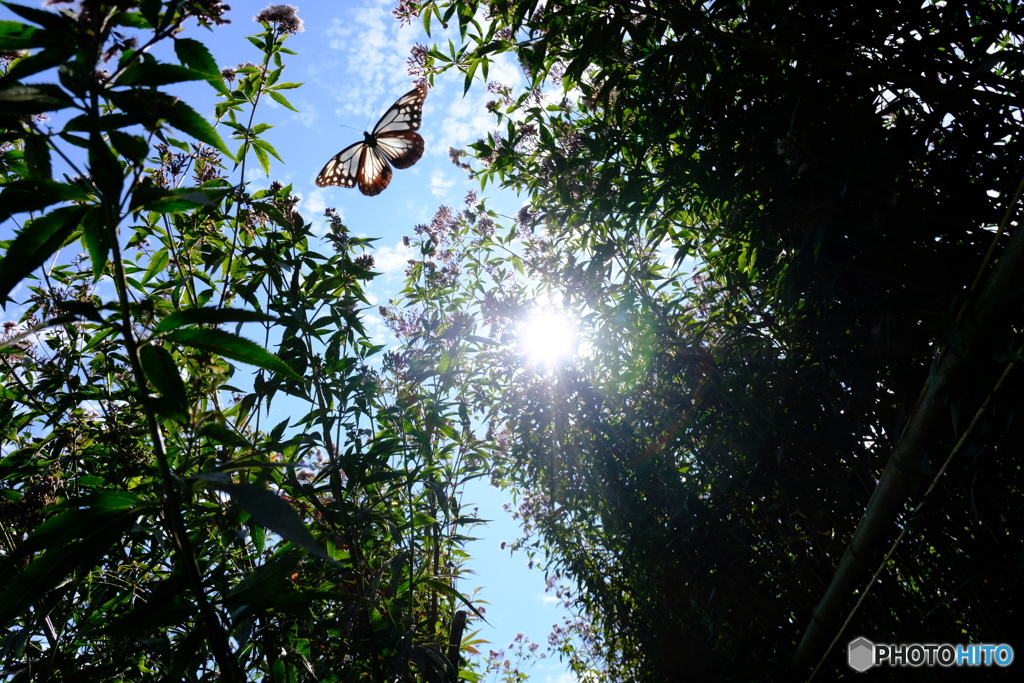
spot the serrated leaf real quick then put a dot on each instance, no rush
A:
(266, 146)
(231, 346)
(211, 316)
(262, 157)
(149, 107)
(74, 540)
(157, 263)
(105, 169)
(148, 197)
(270, 511)
(163, 373)
(75, 77)
(35, 243)
(35, 63)
(37, 156)
(50, 20)
(282, 100)
(197, 56)
(444, 588)
(220, 433)
(151, 73)
(132, 147)
(22, 100)
(15, 35)
(97, 242)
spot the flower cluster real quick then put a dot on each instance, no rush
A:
(405, 12)
(416, 64)
(8, 56)
(502, 90)
(404, 324)
(208, 163)
(442, 227)
(26, 513)
(337, 231)
(456, 156)
(284, 18)
(365, 261)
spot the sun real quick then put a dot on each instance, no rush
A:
(548, 338)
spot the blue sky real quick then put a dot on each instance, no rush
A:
(351, 59)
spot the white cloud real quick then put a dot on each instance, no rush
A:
(307, 115)
(312, 206)
(392, 260)
(374, 48)
(439, 184)
(376, 330)
(563, 678)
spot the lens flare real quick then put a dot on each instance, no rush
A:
(548, 338)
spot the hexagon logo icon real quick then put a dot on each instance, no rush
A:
(861, 654)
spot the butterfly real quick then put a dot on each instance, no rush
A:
(393, 139)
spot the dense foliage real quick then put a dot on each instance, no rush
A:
(845, 176)
(178, 502)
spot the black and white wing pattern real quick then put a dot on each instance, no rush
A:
(393, 139)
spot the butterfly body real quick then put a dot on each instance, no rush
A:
(394, 139)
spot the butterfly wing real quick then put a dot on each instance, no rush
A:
(402, 148)
(395, 135)
(374, 172)
(405, 114)
(393, 139)
(342, 170)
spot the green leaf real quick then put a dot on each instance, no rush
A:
(220, 433)
(186, 119)
(149, 107)
(157, 263)
(444, 588)
(105, 169)
(96, 240)
(150, 9)
(35, 243)
(231, 346)
(197, 56)
(149, 197)
(211, 316)
(15, 35)
(25, 100)
(74, 540)
(60, 23)
(264, 145)
(152, 73)
(282, 100)
(262, 157)
(134, 148)
(25, 196)
(133, 20)
(165, 376)
(271, 512)
(40, 61)
(468, 81)
(82, 309)
(76, 77)
(104, 123)
(37, 156)
(167, 604)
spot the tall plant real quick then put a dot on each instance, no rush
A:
(730, 459)
(154, 524)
